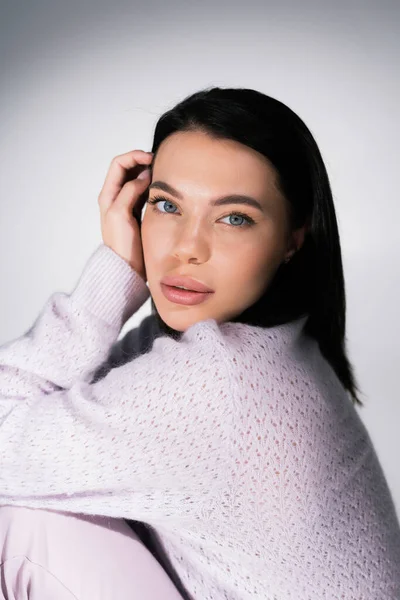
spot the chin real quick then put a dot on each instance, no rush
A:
(181, 322)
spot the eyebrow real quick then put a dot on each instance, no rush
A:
(230, 199)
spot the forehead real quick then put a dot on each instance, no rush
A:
(195, 159)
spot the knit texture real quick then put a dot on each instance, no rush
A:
(237, 444)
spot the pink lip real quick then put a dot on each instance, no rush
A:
(188, 298)
(187, 282)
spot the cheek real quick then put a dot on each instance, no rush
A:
(145, 234)
(154, 239)
(241, 263)
(250, 266)
(147, 226)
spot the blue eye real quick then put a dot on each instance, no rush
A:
(159, 199)
(249, 220)
(237, 216)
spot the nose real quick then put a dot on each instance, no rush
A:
(192, 244)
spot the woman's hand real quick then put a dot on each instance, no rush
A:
(121, 201)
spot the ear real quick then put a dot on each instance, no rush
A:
(298, 236)
(297, 239)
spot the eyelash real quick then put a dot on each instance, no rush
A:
(249, 220)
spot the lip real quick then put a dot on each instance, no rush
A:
(188, 298)
(188, 282)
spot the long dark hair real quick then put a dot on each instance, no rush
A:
(312, 282)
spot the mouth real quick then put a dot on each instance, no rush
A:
(186, 297)
(186, 283)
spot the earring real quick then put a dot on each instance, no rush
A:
(288, 258)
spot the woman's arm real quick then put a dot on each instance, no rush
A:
(147, 441)
(74, 332)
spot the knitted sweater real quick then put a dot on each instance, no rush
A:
(237, 444)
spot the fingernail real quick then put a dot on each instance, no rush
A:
(143, 174)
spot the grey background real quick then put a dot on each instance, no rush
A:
(84, 81)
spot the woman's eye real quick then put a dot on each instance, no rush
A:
(248, 221)
(157, 200)
(236, 216)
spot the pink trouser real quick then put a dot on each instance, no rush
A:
(47, 555)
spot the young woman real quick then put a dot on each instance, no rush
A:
(215, 452)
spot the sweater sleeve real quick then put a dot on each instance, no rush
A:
(146, 441)
(74, 332)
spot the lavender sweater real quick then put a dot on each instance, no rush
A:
(237, 445)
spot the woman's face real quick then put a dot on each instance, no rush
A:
(186, 235)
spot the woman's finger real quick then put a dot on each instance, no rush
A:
(129, 194)
(117, 175)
